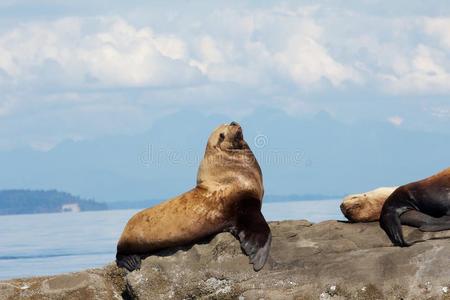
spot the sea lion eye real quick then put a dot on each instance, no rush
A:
(221, 136)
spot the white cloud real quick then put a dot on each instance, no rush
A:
(209, 51)
(107, 52)
(396, 120)
(425, 72)
(73, 75)
(418, 65)
(442, 112)
(267, 47)
(440, 28)
(301, 44)
(307, 62)
(115, 54)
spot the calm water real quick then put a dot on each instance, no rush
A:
(45, 244)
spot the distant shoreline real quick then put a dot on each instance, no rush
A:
(21, 202)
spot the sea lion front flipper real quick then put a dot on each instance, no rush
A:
(390, 223)
(130, 262)
(254, 235)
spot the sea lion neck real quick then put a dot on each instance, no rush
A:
(231, 167)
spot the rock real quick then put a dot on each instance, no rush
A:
(104, 283)
(328, 260)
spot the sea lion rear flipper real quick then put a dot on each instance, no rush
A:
(436, 227)
(425, 222)
(254, 235)
(129, 262)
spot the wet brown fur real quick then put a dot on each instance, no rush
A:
(228, 176)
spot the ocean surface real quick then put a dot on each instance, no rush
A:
(46, 244)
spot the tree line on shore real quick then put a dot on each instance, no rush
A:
(40, 201)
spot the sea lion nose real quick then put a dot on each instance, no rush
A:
(344, 210)
(234, 123)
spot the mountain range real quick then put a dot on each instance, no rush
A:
(298, 155)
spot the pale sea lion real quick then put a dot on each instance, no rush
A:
(366, 207)
(227, 197)
(424, 204)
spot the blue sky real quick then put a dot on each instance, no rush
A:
(86, 69)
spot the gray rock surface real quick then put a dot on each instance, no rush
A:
(104, 283)
(328, 260)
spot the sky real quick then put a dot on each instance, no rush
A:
(83, 71)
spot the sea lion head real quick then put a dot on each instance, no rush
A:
(354, 207)
(365, 207)
(227, 137)
(228, 161)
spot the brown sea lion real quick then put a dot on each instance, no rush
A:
(365, 207)
(424, 204)
(227, 197)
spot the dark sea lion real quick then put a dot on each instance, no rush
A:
(227, 197)
(424, 204)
